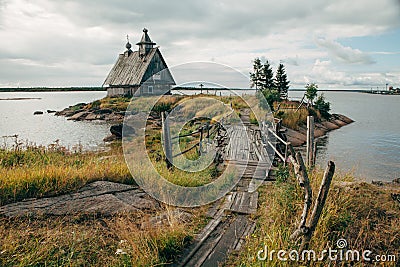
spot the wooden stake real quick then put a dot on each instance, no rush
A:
(302, 178)
(310, 142)
(201, 139)
(167, 140)
(319, 204)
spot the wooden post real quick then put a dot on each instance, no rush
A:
(305, 231)
(286, 153)
(167, 140)
(319, 204)
(304, 182)
(201, 138)
(310, 142)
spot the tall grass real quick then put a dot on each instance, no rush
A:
(291, 117)
(132, 239)
(361, 213)
(37, 171)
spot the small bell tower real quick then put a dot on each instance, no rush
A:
(145, 44)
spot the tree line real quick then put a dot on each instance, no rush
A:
(275, 87)
(263, 78)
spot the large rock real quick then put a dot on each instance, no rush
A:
(329, 125)
(93, 116)
(103, 111)
(295, 138)
(343, 118)
(114, 117)
(79, 116)
(68, 112)
(117, 130)
(318, 132)
(339, 122)
(103, 198)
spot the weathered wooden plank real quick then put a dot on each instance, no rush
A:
(205, 248)
(245, 203)
(227, 242)
(249, 229)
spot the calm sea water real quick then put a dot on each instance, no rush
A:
(17, 118)
(370, 147)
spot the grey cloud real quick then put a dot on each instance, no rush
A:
(344, 53)
(291, 61)
(205, 27)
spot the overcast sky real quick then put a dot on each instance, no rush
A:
(337, 44)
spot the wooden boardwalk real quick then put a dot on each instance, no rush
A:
(230, 217)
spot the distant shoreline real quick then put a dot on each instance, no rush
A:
(101, 89)
(20, 98)
(51, 89)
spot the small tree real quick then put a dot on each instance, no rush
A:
(281, 82)
(257, 76)
(311, 92)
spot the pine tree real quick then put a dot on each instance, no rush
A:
(281, 82)
(268, 76)
(257, 76)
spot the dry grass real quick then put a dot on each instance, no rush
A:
(290, 117)
(122, 240)
(44, 171)
(363, 214)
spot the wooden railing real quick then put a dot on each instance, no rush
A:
(204, 131)
(269, 131)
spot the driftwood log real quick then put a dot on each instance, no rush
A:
(305, 230)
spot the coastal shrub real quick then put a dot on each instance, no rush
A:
(94, 105)
(78, 106)
(323, 106)
(282, 174)
(315, 113)
(271, 95)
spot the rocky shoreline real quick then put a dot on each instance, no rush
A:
(299, 137)
(79, 113)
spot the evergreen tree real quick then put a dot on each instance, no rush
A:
(281, 82)
(262, 76)
(257, 75)
(268, 76)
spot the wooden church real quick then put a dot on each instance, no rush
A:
(141, 72)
